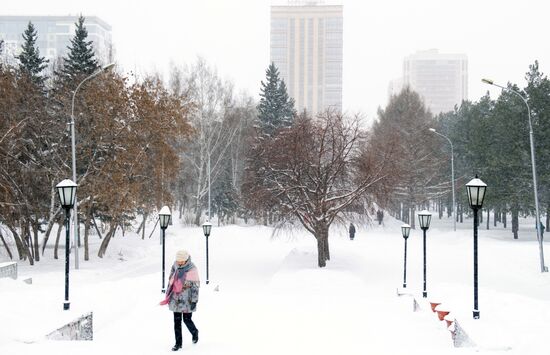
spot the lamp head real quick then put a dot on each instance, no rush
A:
(488, 81)
(67, 193)
(476, 192)
(164, 217)
(405, 230)
(108, 66)
(206, 228)
(424, 217)
(431, 129)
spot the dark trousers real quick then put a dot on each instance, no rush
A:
(188, 323)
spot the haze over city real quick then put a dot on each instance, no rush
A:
(500, 38)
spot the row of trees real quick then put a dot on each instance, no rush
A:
(142, 144)
(490, 139)
(123, 130)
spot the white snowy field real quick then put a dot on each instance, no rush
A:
(272, 298)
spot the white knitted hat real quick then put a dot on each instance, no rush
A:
(182, 255)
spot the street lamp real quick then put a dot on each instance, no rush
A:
(73, 148)
(424, 217)
(164, 218)
(66, 190)
(534, 169)
(206, 228)
(452, 174)
(405, 230)
(476, 193)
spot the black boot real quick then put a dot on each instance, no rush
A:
(176, 347)
(191, 326)
(196, 336)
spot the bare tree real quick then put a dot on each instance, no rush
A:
(214, 130)
(316, 169)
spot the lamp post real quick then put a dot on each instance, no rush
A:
(405, 230)
(543, 268)
(206, 228)
(164, 218)
(66, 190)
(452, 174)
(424, 217)
(73, 149)
(476, 193)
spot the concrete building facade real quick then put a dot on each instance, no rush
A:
(306, 45)
(440, 79)
(54, 35)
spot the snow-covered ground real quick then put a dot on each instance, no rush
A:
(272, 299)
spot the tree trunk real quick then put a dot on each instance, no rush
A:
(198, 211)
(87, 222)
(504, 218)
(105, 242)
(411, 218)
(461, 214)
(547, 217)
(488, 217)
(495, 217)
(35, 227)
(515, 222)
(51, 223)
(321, 259)
(18, 243)
(6, 246)
(95, 226)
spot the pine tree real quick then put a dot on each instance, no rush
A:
(81, 58)
(30, 61)
(275, 109)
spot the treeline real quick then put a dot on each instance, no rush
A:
(490, 138)
(141, 143)
(123, 130)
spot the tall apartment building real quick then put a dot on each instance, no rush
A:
(440, 79)
(307, 48)
(54, 35)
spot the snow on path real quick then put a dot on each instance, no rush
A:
(272, 299)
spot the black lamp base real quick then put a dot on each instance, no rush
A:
(476, 314)
(66, 305)
(425, 294)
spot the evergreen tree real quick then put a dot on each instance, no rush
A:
(81, 58)
(30, 61)
(275, 109)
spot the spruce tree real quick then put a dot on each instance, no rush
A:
(275, 109)
(81, 58)
(30, 61)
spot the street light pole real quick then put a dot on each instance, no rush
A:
(73, 149)
(66, 190)
(452, 174)
(206, 228)
(543, 268)
(405, 230)
(164, 219)
(476, 194)
(424, 218)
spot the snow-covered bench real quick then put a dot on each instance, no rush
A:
(8, 269)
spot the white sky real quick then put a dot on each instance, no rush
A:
(500, 38)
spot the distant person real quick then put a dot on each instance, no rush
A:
(541, 229)
(380, 216)
(351, 231)
(182, 296)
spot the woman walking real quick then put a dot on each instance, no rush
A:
(182, 296)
